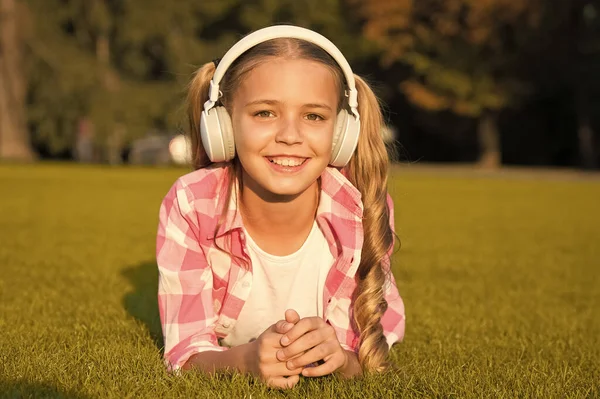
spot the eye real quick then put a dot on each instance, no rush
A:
(263, 114)
(314, 117)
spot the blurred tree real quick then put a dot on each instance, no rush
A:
(14, 140)
(462, 52)
(63, 70)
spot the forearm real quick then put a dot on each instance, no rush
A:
(352, 367)
(235, 358)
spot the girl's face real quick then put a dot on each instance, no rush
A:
(283, 116)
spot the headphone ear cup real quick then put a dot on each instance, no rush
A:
(345, 139)
(210, 135)
(226, 133)
(216, 134)
(338, 133)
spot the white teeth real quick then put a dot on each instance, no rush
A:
(286, 161)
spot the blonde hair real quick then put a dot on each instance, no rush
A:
(367, 171)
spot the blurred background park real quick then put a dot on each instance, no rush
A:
(487, 82)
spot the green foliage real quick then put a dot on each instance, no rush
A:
(60, 75)
(499, 279)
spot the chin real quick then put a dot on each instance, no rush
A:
(285, 190)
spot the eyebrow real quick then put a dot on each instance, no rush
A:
(318, 105)
(257, 102)
(275, 102)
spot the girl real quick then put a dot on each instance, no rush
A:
(274, 254)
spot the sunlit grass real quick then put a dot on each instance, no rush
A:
(499, 276)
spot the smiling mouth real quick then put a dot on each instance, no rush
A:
(287, 161)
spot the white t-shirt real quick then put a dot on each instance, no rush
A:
(294, 281)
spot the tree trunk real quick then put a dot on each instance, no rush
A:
(490, 156)
(584, 78)
(14, 138)
(113, 142)
(585, 136)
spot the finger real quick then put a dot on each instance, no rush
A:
(291, 316)
(280, 369)
(293, 380)
(324, 369)
(283, 382)
(282, 326)
(319, 352)
(267, 344)
(283, 369)
(302, 344)
(293, 357)
(302, 327)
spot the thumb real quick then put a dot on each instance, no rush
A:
(291, 316)
(281, 327)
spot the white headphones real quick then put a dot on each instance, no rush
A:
(215, 122)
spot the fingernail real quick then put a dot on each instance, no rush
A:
(284, 325)
(280, 355)
(285, 340)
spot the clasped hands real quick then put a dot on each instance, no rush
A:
(292, 347)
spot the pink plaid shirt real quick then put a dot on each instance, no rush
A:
(203, 289)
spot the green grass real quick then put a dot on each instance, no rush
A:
(500, 277)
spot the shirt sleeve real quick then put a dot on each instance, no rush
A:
(185, 282)
(393, 320)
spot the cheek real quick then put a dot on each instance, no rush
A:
(322, 141)
(248, 135)
(241, 134)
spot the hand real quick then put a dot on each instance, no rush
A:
(263, 361)
(308, 341)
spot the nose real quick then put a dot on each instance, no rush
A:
(289, 132)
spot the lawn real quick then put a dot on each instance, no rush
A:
(500, 276)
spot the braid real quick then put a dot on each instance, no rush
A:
(368, 170)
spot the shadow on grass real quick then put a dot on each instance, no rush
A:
(142, 302)
(26, 389)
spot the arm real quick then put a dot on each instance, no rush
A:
(186, 304)
(257, 358)
(352, 367)
(185, 281)
(392, 320)
(235, 358)
(312, 339)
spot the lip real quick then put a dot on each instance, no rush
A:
(286, 169)
(286, 156)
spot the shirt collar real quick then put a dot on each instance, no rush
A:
(338, 197)
(231, 217)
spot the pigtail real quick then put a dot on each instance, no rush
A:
(197, 94)
(368, 171)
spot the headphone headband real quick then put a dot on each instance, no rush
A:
(275, 32)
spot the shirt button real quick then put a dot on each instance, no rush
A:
(246, 284)
(226, 325)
